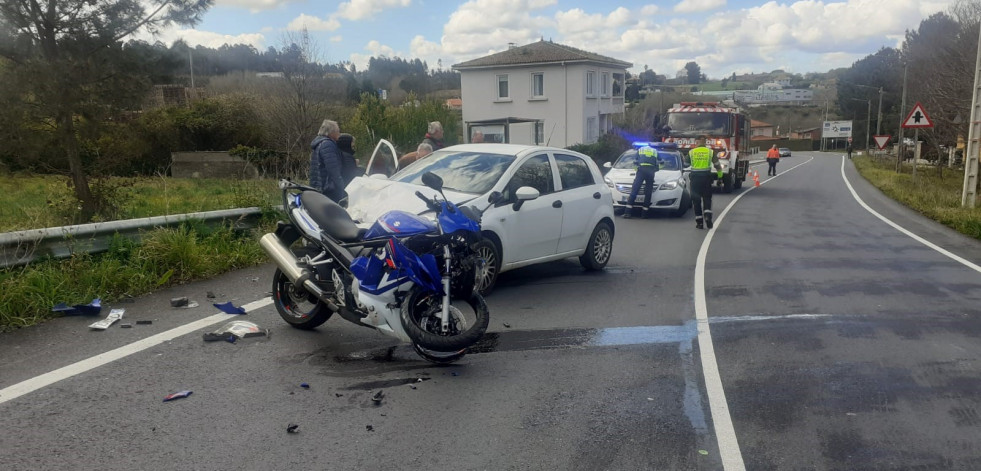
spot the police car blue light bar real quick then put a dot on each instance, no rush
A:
(640, 144)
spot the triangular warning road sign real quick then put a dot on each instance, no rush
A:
(917, 118)
(881, 141)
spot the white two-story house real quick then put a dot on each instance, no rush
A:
(542, 93)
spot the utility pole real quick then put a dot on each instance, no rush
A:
(970, 195)
(190, 56)
(902, 116)
(878, 119)
(868, 123)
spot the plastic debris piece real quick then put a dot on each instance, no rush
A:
(177, 395)
(304, 385)
(507, 326)
(703, 452)
(369, 428)
(338, 395)
(455, 373)
(235, 330)
(377, 398)
(412, 386)
(292, 428)
(89, 309)
(179, 302)
(144, 322)
(211, 295)
(255, 279)
(125, 326)
(114, 315)
(229, 308)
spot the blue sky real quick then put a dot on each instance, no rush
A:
(723, 36)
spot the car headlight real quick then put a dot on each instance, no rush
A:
(668, 185)
(608, 181)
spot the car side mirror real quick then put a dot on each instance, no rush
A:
(607, 165)
(433, 181)
(525, 193)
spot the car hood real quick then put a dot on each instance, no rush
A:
(369, 198)
(626, 177)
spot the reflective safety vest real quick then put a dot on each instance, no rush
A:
(647, 157)
(701, 159)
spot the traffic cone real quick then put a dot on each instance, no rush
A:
(756, 178)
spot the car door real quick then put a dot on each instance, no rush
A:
(579, 195)
(533, 229)
(384, 160)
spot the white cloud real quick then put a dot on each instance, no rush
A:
(649, 10)
(364, 9)
(312, 23)
(195, 37)
(336, 39)
(696, 6)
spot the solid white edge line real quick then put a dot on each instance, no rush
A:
(725, 433)
(899, 228)
(28, 386)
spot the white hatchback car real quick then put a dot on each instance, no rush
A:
(671, 191)
(554, 203)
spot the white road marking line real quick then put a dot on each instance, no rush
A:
(899, 228)
(725, 433)
(47, 379)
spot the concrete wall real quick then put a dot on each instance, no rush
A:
(210, 165)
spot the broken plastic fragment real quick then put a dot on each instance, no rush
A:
(304, 385)
(211, 295)
(377, 398)
(292, 428)
(177, 395)
(114, 315)
(369, 428)
(235, 330)
(179, 302)
(144, 322)
(507, 326)
(703, 452)
(125, 326)
(229, 308)
(89, 309)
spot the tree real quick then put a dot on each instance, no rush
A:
(70, 65)
(694, 72)
(860, 83)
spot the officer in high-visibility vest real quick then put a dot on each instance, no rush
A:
(646, 168)
(702, 162)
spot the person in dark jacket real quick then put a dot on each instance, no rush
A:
(434, 137)
(349, 165)
(325, 162)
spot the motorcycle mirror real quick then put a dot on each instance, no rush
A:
(433, 181)
(494, 197)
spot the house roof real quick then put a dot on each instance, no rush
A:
(537, 53)
(807, 130)
(759, 124)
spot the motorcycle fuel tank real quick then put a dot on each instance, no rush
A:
(400, 224)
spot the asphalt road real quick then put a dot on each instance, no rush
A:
(827, 339)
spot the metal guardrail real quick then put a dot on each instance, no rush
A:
(23, 247)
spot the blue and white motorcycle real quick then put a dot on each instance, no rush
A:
(407, 276)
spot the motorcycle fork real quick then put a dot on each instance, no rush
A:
(445, 314)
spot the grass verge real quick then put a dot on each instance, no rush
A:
(935, 197)
(167, 256)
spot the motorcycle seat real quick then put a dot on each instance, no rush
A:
(331, 217)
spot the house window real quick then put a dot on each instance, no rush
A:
(605, 83)
(591, 130)
(538, 85)
(502, 87)
(539, 133)
(618, 85)
(590, 83)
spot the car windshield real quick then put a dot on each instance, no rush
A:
(468, 172)
(784, 149)
(666, 160)
(696, 124)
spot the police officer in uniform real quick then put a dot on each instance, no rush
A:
(702, 162)
(646, 168)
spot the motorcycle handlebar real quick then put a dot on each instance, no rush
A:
(429, 203)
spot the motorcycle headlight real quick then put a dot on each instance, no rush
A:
(668, 185)
(608, 181)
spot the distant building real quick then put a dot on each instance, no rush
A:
(542, 93)
(812, 134)
(761, 130)
(172, 95)
(454, 103)
(270, 74)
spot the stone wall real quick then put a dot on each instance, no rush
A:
(211, 165)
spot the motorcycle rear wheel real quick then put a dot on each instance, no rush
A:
(298, 308)
(420, 319)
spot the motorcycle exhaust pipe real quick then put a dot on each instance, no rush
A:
(288, 264)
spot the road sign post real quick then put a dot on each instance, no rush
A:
(916, 119)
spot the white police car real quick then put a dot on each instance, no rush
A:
(671, 192)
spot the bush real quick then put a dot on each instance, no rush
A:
(606, 149)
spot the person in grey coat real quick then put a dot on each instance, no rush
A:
(326, 162)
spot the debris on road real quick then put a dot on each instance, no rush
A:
(377, 398)
(455, 373)
(229, 308)
(338, 395)
(507, 326)
(235, 330)
(304, 385)
(89, 309)
(292, 428)
(114, 315)
(183, 302)
(211, 295)
(177, 395)
(369, 428)
(125, 326)
(144, 322)
(703, 452)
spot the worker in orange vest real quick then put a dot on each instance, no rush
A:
(772, 157)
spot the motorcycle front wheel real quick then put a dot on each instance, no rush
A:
(421, 320)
